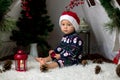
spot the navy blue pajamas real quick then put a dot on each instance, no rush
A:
(70, 50)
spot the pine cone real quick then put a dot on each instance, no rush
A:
(97, 69)
(84, 62)
(94, 61)
(44, 68)
(7, 65)
(118, 70)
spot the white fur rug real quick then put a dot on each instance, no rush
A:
(76, 72)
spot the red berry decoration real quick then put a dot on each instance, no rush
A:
(53, 54)
(74, 3)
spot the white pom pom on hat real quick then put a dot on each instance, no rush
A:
(72, 17)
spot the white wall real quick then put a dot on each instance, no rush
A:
(95, 16)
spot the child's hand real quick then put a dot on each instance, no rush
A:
(51, 51)
(53, 54)
(57, 56)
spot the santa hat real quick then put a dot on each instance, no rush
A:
(72, 17)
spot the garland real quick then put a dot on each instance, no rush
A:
(113, 13)
(74, 3)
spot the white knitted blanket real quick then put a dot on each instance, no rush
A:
(76, 72)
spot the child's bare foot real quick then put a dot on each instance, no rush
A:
(38, 59)
(41, 60)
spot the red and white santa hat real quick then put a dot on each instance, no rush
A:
(72, 17)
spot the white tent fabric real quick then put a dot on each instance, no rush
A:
(117, 43)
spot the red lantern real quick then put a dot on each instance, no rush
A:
(20, 60)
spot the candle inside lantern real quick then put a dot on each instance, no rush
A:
(21, 64)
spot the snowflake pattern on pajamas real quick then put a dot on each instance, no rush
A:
(70, 49)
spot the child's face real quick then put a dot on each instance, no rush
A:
(67, 27)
